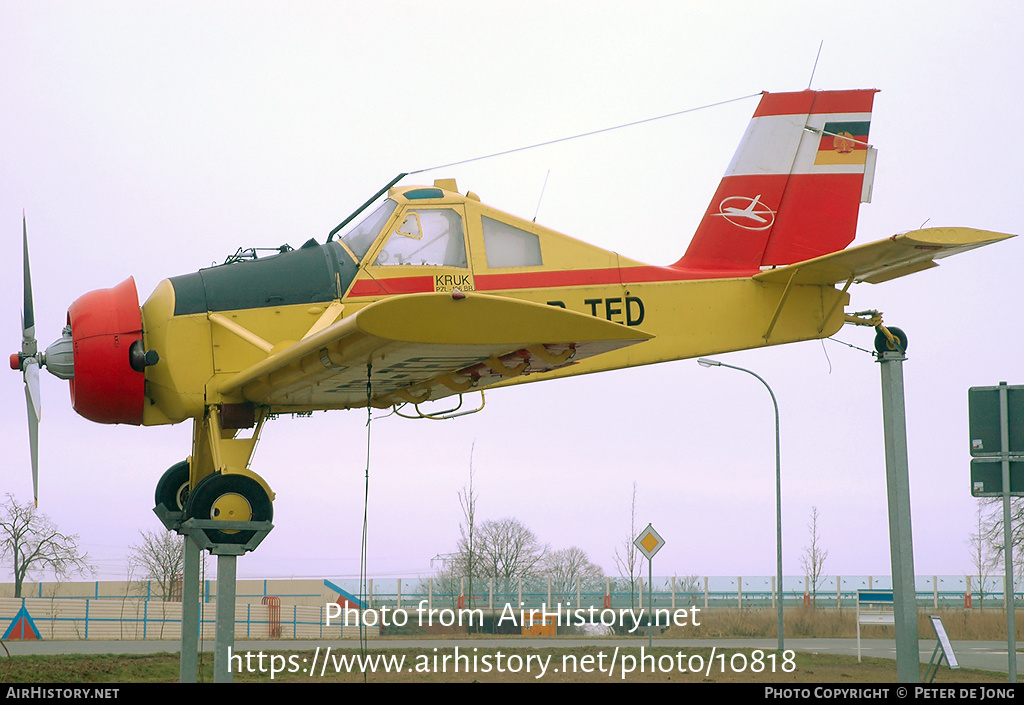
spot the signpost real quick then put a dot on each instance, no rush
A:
(874, 608)
(997, 437)
(649, 542)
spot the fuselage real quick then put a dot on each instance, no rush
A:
(219, 321)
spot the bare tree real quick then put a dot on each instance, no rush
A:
(994, 536)
(628, 562)
(467, 529)
(813, 559)
(568, 570)
(445, 584)
(984, 558)
(508, 549)
(160, 558)
(32, 541)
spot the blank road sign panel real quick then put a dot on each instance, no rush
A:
(983, 407)
(987, 477)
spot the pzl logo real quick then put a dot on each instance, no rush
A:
(449, 282)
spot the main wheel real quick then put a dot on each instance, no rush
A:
(229, 498)
(172, 489)
(882, 344)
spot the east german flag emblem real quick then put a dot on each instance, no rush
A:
(843, 143)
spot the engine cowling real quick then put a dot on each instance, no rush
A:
(105, 324)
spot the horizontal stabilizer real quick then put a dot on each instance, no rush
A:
(883, 260)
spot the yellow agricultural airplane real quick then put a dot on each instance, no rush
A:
(435, 294)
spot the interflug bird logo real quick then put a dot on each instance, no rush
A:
(746, 212)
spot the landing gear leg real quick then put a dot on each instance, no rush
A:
(222, 487)
(215, 484)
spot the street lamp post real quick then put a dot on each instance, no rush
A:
(705, 362)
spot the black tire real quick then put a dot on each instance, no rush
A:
(882, 344)
(172, 489)
(229, 498)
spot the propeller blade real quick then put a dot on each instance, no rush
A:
(32, 388)
(32, 402)
(28, 322)
(30, 364)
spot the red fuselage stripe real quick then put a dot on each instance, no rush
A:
(546, 280)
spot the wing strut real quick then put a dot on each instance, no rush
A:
(782, 302)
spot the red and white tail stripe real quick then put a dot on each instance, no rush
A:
(794, 187)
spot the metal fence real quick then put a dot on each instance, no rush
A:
(673, 592)
(304, 609)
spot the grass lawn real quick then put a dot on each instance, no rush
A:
(489, 665)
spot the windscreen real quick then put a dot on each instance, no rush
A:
(360, 238)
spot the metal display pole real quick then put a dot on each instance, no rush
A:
(901, 546)
(196, 541)
(189, 668)
(227, 566)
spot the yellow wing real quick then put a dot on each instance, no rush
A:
(883, 260)
(422, 347)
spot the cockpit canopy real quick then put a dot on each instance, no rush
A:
(427, 227)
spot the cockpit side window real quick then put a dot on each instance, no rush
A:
(509, 246)
(428, 237)
(362, 237)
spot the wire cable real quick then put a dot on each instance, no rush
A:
(849, 345)
(586, 134)
(363, 569)
(401, 176)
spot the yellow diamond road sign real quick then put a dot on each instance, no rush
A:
(649, 542)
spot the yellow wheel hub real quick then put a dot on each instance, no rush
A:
(231, 507)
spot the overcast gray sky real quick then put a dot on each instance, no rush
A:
(152, 139)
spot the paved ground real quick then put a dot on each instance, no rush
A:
(989, 655)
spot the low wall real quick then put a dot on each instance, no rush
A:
(133, 619)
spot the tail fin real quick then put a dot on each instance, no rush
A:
(794, 187)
